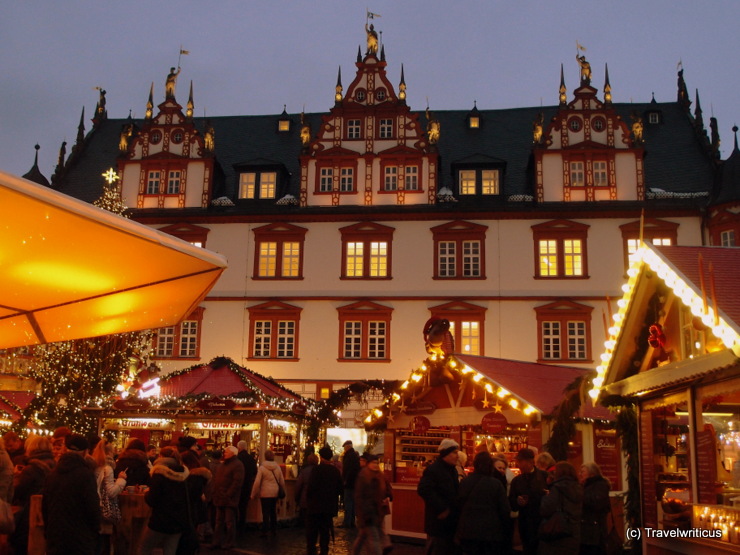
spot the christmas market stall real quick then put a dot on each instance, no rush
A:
(218, 404)
(484, 404)
(673, 362)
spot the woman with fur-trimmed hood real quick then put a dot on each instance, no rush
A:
(168, 498)
(134, 462)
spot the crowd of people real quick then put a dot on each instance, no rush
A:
(547, 508)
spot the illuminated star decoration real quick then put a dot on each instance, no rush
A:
(497, 408)
(110, 176)
(402, 406)
(486, 404)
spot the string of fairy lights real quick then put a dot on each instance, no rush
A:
(640, 261)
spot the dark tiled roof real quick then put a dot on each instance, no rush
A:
(674, 161)
(729, 183)
(726, 269)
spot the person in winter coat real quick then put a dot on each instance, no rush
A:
(565, 496)
(103, 457)
(134, 462)
(30, 481)
(196, 483)
(372, 502)
(266, 486)
(250, 473)
(324, 488)
(168, 498)
(301, 484)
(483, 528)
(7, 469)
(596, 506)
(525, 494)
(350, 470)
(70, 504)
(227, 486)
(438, 488)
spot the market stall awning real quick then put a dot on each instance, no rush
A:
(72, 270)
(222, 377)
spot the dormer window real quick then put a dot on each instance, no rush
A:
(257, 185)
(575, 124)
(155, 137)
(284, 122)
(483, 182)
(474, 122)
(598, 124)
(653, 118)
(177, 136)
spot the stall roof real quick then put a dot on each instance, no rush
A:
(542, 385)
(13, 402)
(73, 270)
(221, 377)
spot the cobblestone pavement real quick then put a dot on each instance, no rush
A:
(291, 541)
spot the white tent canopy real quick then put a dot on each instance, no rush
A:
(70, 270)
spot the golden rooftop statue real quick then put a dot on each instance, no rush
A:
(169, 88)
(372, 35)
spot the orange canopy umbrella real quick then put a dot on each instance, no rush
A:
(70, 270)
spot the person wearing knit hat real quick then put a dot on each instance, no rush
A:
(323, 491)
(525, 495)
(227, 488)
(438, 488)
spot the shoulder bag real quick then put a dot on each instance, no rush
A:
(281, 489)
(108, 506)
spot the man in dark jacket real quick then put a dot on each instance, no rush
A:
(438, 488)
(70, 505)
(227, 487)
(250, 471)
(525, 496)
(324, 489)
(350, 470)
(134, 461)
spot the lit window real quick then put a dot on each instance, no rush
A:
(634, 244)
(467, 182)
(466, 325)
(600, 174)
(653, 118)
(193, 234)
(386, 128)
(173, 183)
(652, 230)
(279, 251)
(412, 178)
(727, 238)
(274, 331)
(459, 250)
(478, 182)
(391, 178)
(366, 251)
(560, 249)
(474, 122)
(347, 181)
(354, 129)
(489, 182)
(252, 184)
(564, 332)
(576, 174)
(364, 331)
(182, 340)
(284, 125)
(247, 182)
(152, 183)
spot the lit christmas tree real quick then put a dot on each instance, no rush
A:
(83, 373)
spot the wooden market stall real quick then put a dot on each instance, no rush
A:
(675, 354)
(219, 404)
(482, 403)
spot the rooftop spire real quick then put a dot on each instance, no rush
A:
(339, 89)
(698, 118)
(563, 90)
(359, 54)
(402, 87)
(34, 174)
(189, 110)
(81, 128)
(382, 52)
(150, 103)
(683, 92)
(607, 86)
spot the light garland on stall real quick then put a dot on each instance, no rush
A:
(380, 414)
(644, 258)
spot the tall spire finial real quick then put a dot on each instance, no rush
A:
(734, 130)
(402, 87)
(150, 103)
(698, 117)
(339, 89)
(563, 90)
(359, 54)
(191, 106)
(607, 86)
(382, 52)
(81, 128)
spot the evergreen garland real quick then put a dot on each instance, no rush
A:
(564, 428)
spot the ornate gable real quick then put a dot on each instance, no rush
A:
(370, 149)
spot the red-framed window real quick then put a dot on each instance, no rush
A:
(467, 325)
(334, 176)
(367, 251)
(564, 332)
(657, 232)
(278, 251)
(193, 234)
(364, 332)
(353, 128)
(560, 249)
(181, 341)
(164, 179)
(590, 169)
(397, 174)
(273, 331)
(459, 250)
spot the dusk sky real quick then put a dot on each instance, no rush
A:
(254, 56)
